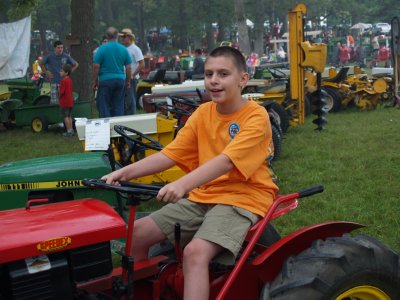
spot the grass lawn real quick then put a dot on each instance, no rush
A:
(356, 158)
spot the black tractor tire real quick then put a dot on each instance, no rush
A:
(39, 124)
(139, 97)
(282, 113)
(339, 268)
(277, 140)
(42, 100)
(307, 106)
(333, 98)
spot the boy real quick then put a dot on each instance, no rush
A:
(51, 65)
(66, 99)
(223, 148)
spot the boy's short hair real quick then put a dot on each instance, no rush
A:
(67, 69)
(235, 54)
(197, 51)
(57, 43)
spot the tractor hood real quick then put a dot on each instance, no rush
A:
(57, 171)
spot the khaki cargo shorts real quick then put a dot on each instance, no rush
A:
(224, 225)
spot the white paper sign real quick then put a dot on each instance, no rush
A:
(97, 134)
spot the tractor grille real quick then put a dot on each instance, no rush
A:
(90, 262)
(50, 284)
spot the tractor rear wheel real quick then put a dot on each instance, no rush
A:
(340, 268)
(39, 124)
(332, 98)
(282, 115)
(277, 140)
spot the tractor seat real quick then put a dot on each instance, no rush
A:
(159, 76)
(339, 76)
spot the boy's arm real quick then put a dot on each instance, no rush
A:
(61, 90)
(207, 172)
(149, 165)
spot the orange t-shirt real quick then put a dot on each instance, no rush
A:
(246, 138)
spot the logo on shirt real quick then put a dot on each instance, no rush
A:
(233, 129)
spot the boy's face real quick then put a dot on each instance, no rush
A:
(223, 80)
(63, 73)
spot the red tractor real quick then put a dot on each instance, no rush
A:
(62, 251)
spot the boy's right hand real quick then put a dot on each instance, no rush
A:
(113, 178)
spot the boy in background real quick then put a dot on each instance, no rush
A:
(223, 148)
(66, 98)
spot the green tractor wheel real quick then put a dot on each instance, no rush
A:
(39, 124)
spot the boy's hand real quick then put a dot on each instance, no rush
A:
(113, 178)
(171, 193)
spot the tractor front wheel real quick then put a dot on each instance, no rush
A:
(333, 100)
(341, 268)
(39, 124)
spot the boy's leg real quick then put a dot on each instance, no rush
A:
(146, 233)
(220, 236)
(69, 124)
(197, 256)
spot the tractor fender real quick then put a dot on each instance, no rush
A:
(269, 263)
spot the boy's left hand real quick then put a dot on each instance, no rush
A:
(171, 193)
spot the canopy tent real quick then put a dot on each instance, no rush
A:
(361, 26)
(14, 48)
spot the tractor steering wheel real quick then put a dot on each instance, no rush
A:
(174, 109)
(137, 189)
(153, 144)
(176, 99)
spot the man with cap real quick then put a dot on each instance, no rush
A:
(127, 38)
(111, 75)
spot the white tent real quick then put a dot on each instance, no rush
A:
(361, 26)
(14, 48)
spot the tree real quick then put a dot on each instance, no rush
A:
(82, 30)
(244, 41)
(259, 27)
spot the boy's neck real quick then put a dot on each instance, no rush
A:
(232, 107)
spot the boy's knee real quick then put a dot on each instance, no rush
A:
(194, 253)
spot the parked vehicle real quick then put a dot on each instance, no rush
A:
(70, 257)
(381, 28)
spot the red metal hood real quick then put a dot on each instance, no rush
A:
(57, 227)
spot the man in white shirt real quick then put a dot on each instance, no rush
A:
(127, 38)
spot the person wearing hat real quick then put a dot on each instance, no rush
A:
(127, 38)
(111, 75)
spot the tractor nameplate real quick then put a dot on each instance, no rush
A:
(54, 244)
(41, 185)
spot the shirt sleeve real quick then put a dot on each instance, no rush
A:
(138, 54)
(97, 56)
(184, 148)
(72, 61)
(62, 87)
(250, 147)
(128, 58)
